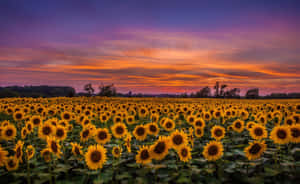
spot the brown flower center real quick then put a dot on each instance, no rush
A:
(9, 132)
(120, 130)
(177, 139)
(145, 154)
(295, 132)
(54, 147)
(102, 135)
(46, 130)
(258, 132)
(96, 156)
(281, 134)
(255, 149)
(160, 147)
(153, 128)
(60, 133)
(184, 152)
(218, 132)
(140, 131)
(213, 150)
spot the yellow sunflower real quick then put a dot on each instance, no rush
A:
(30, 151)
(9, 132)
(143, 156)
(3, 156)
(29, 126)
(76, 149)
(95, 157)
(255, 150)
(218, 132)
(238, 125)
(46, 154)
(46, 129)
(19, 151)
(199, 122)
(258, 132)
(140, 132)
(119, 130)
(12, 163)
(213, 150)
(169, 125)
(178, 139)
(249, 125)
(23, 133)
(160, 148)
(102, 135)
(53, 145)
(280, 134)
(36, 120)
(184, 153)
(152, 129)
(295, 133)
(130, 120)
(199, 132)
(117, 151)
(60, 133)
(18, 116)
(67, 116)
(85, 134)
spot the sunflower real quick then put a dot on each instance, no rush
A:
(207, 116)
(160, 148)
(154, 117)
(280, 134)
(140, 132)
(127, 141)
(213, 151)
(217, 114)
(143, 156)
(12, 163)
(53, 145)
(30, 151)
(199, 122)
(103, 118)
(95, 157)
(295, 133)
(46, 154)
(262, 120)
(3, 156)
(258, 132)
(119, 130)
(184, 153)
(143, 112)
(76, 149)
(9, 132)
(238, 125)
(218, 132)
(289, 121)
(102, 135)
(36, 120)
(152, 128)
(169, 125)
(23, 132)
(60, 133)
(199, 132)
(130, 120)
(46, 129)
(19, 115)
(249, 125)
(68, 116)
(85, 134)
(255, 150)
(117, 151)
(19, 151)
(191, 119)
(29, 126)
(296, 117)
(178, 139)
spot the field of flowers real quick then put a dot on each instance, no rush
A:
(149, 140)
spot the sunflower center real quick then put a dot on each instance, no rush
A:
(96, 156)
(60, 133)
(36, 121)
(184, 152)
(11, 163)
(18, 154)
(160, 147)
(102, 135)
(177, 139)
(9, 132)
(117, 151)
(119, 130)
(213, 150)
(54, 146)
(238, 125)
(258, 132)
(198, 131)
(289, 122)
(152, 128)
(218, 132)
(140, 131)
(255, 149)
(85, 133)
(281, 134)
(295, 132)
(145, 155)
(46, 130)
(18, 116)
(168, 124)
(198, 123)
(29, 127)
(66, 116)
(77, 151)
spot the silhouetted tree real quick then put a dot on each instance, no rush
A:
(252, 93)
(233, 93)
(217, 88)
(203, 93)
(222, 92)
(89, 89)
(107, 90)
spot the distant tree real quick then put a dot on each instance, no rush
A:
(233, 93)
(8, 93)
(222, 92)
(107, 90)
(203, 93)
(89, 89)
(252, 93)
(217, 88)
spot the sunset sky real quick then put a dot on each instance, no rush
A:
(151, 46)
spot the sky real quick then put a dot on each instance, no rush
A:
(156, 46)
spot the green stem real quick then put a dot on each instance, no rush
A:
(28, 173)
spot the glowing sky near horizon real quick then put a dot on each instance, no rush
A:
(151, 46)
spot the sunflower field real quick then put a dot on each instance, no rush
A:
(149, 140)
